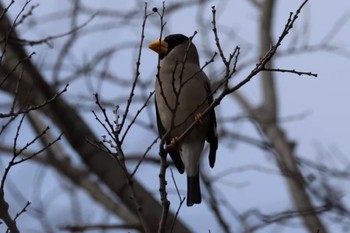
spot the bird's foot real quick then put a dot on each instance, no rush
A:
(175, 142)
(198, 118)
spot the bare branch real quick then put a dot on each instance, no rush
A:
(293, 71)
(137, 73)
(32, 108)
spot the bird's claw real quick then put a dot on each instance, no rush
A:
(174, 142)
(198, 118)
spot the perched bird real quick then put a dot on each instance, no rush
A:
(182, 93)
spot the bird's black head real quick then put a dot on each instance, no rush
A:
(174, 40)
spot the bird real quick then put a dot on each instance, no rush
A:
(182, 93)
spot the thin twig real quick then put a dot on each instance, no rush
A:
(162, 153)
(137, 72)
(181, 199)
(32, 108)
(137, 114)
(144, 156)
(50, 38)
(114, 133)
(293, 71)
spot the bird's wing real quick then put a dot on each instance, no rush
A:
(173, 152)
(212, 135)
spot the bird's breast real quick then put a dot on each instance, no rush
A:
(180, 95)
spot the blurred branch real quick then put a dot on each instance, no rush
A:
(213, 203)
(46, 40)
(181, 199)
(72, 38)
(268, 219)
(100, 227)
(32, 108)
(266, 116)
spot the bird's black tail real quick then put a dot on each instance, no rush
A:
(193, 190)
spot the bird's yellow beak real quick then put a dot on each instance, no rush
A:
(159, 46)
